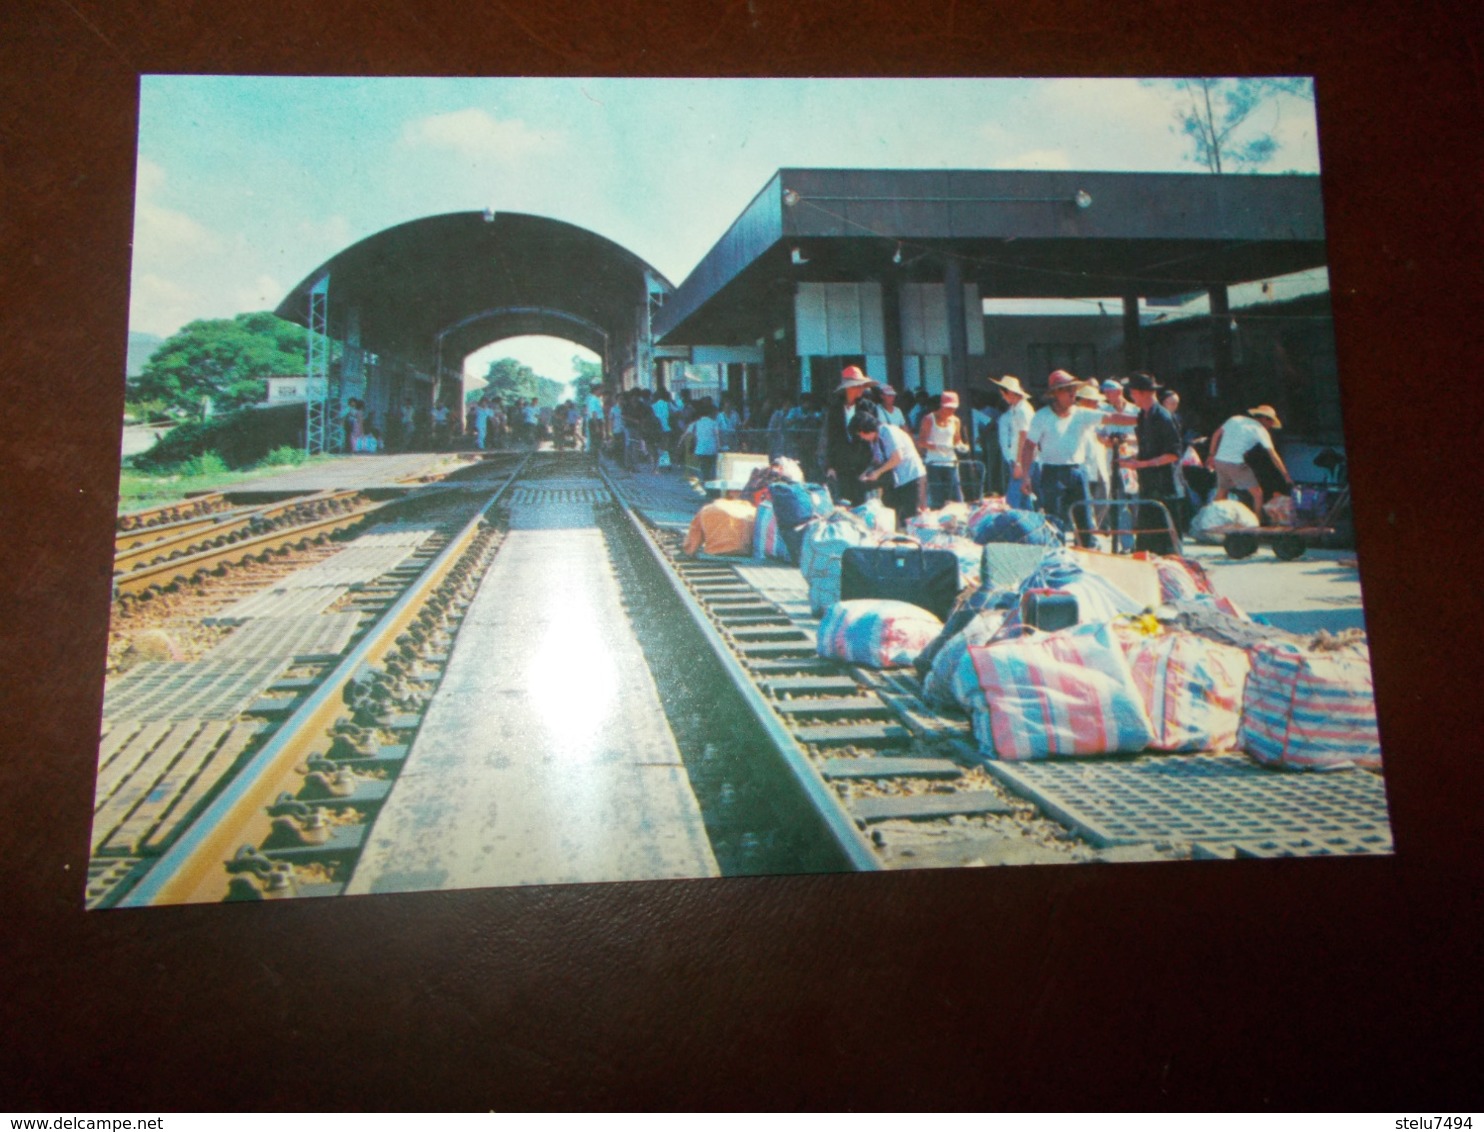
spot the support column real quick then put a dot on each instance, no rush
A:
(957, 377)
(1133, 335)
(1221, 340)
(891, 329)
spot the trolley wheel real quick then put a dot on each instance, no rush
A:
(1289, 548)
(1240, 545)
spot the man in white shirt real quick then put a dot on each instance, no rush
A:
(1012, 425)
(1053, 443)
(1229, 448)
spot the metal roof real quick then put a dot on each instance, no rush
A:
(474, 278)
(1015, 234)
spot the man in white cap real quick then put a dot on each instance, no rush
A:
(889, 413)
(1011, 427)
(1053, 443)
(1229, 448)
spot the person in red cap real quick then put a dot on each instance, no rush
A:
(843, 456)
(940, 440)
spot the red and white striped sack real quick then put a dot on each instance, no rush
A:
(1065, 693)
(1310, 710)
(1192, 689)
(877, 633)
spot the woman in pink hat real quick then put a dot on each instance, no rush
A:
(940, 440)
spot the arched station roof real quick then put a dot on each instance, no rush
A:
(475, 278)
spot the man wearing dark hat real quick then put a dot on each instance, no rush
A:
(1159, 452)
(843, 456)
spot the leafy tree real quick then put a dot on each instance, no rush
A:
(508, 379)
(221, 358)
(589, 376)
(1217, 116)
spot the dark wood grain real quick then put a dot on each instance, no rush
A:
(1254, 984)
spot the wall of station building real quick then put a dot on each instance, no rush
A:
(1282, 354)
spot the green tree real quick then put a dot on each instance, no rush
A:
(221, 358)
(589, 376)
(1221, 119)
(508, 379)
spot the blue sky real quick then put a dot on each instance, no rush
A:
(246, 184)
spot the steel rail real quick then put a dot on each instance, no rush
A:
(170, 512)
(124, 541)
(163, 574)
(191, 533)
(191, 870)
(843, 831)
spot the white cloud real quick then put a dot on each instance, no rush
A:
(476, 134)
(158, 229)
(159, 306)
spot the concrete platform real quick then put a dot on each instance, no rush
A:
(365, 473)
(545, 757)
(1321, 590)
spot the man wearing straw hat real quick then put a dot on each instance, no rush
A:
(1229, 448)
(1054, 443)
(1011, 427)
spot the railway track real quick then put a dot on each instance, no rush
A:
(278, 797)
(314, 722)
(316, 757)
(897, 784)
(197, 546)
(198, 505)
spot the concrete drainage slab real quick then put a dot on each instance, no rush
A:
(278, 603)
(1322, 845)
(1212, 799)
(303, 638)
(203, 689)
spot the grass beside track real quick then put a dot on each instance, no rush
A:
(139, 490)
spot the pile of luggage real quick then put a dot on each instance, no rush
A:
(1055, 651)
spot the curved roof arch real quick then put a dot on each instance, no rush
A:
(464, 279)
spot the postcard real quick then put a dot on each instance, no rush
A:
(557, 481)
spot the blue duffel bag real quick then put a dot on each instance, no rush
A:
(1026, 527)
(794, 504)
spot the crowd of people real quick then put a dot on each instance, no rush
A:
(1091, 442)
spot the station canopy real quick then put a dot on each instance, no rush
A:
(445, 286)
(1014, 234)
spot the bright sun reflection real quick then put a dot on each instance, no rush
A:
(572, 679)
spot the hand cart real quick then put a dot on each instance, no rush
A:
(1124, 520)
(1289, 543)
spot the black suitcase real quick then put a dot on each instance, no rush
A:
(1048, 610)
(901, 569)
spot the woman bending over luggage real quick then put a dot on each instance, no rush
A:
(893, 454)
